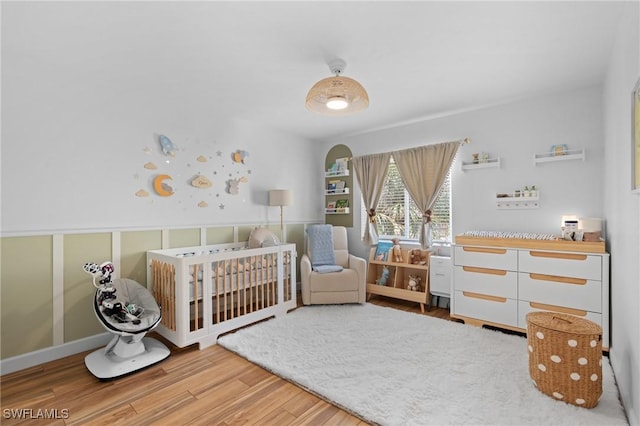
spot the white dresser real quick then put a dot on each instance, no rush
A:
(499, 281)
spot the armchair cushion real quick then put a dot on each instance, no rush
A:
(321, 245)
(345, 281)
(325, 269)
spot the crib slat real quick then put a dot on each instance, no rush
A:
(216, 293)
(196, 310)
(226, 287)
(274, 278)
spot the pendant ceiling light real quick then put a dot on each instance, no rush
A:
(337, 95)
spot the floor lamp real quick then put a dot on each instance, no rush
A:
(280, 197)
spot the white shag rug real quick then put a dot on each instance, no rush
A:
(391, 367)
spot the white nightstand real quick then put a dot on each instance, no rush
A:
(440, 277)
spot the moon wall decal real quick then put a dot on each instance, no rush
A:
(161, 188)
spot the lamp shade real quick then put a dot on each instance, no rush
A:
(337, 95)
(345, 93)
(280, 197)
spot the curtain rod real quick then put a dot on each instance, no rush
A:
(463, 141)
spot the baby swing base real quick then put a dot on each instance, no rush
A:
(124, 355)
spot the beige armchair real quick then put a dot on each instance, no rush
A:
(346, 286)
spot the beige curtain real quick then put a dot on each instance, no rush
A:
(371, 170)
(423, 171)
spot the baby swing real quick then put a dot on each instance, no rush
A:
(128, 310)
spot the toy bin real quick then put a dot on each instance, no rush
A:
(565, 357)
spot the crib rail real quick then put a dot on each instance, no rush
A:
(207, 290)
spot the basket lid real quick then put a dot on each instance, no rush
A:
(563, 322)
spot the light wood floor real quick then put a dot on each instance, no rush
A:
(208, 387)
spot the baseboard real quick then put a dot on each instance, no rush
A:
(31, 359)
(627, 403)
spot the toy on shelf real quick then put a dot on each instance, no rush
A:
(418, 257)
(414, 283)
(396, 250)
(383, 277)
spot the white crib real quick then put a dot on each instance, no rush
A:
(206, 291)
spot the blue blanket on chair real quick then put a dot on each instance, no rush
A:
(323, 259)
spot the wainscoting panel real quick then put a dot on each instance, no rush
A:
(220, 235)
(27, 294)
(79, 319)
(184, 238)
(133, 253)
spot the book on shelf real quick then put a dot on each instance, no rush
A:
(382, 250)
(331, 205)
(341, 204)
(343, 164)
(335, 186)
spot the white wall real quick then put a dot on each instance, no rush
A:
(623, 210)
(76, 135)
(514, 132)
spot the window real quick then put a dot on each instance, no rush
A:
(398, 216)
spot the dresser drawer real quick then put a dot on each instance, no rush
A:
(495, 282)
(439, 261)
(440, 281)
(486, 308)
(486, 257)
(562, 264)
(440, 276)
(576, 293)
(525, 307)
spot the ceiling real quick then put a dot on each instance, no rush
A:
(257, 60)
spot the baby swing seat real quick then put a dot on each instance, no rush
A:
(128, 350)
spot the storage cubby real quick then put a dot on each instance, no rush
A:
(376, 271)
(397, 284)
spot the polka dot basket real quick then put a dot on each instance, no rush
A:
(565, 357)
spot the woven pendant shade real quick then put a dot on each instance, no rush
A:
(337, 95)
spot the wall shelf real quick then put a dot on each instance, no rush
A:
(344, 210)
(336, 173)
(571, 154)
(517, 203)
(336, 191)
(490, 163)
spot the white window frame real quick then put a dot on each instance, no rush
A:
(407, 218)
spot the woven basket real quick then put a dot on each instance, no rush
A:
(565, 357)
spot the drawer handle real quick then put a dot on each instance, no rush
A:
(485, 250)
(485, 297)
(484, 270)
(554, 278)
(554, 308)
(439, 274)
(551, 255)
